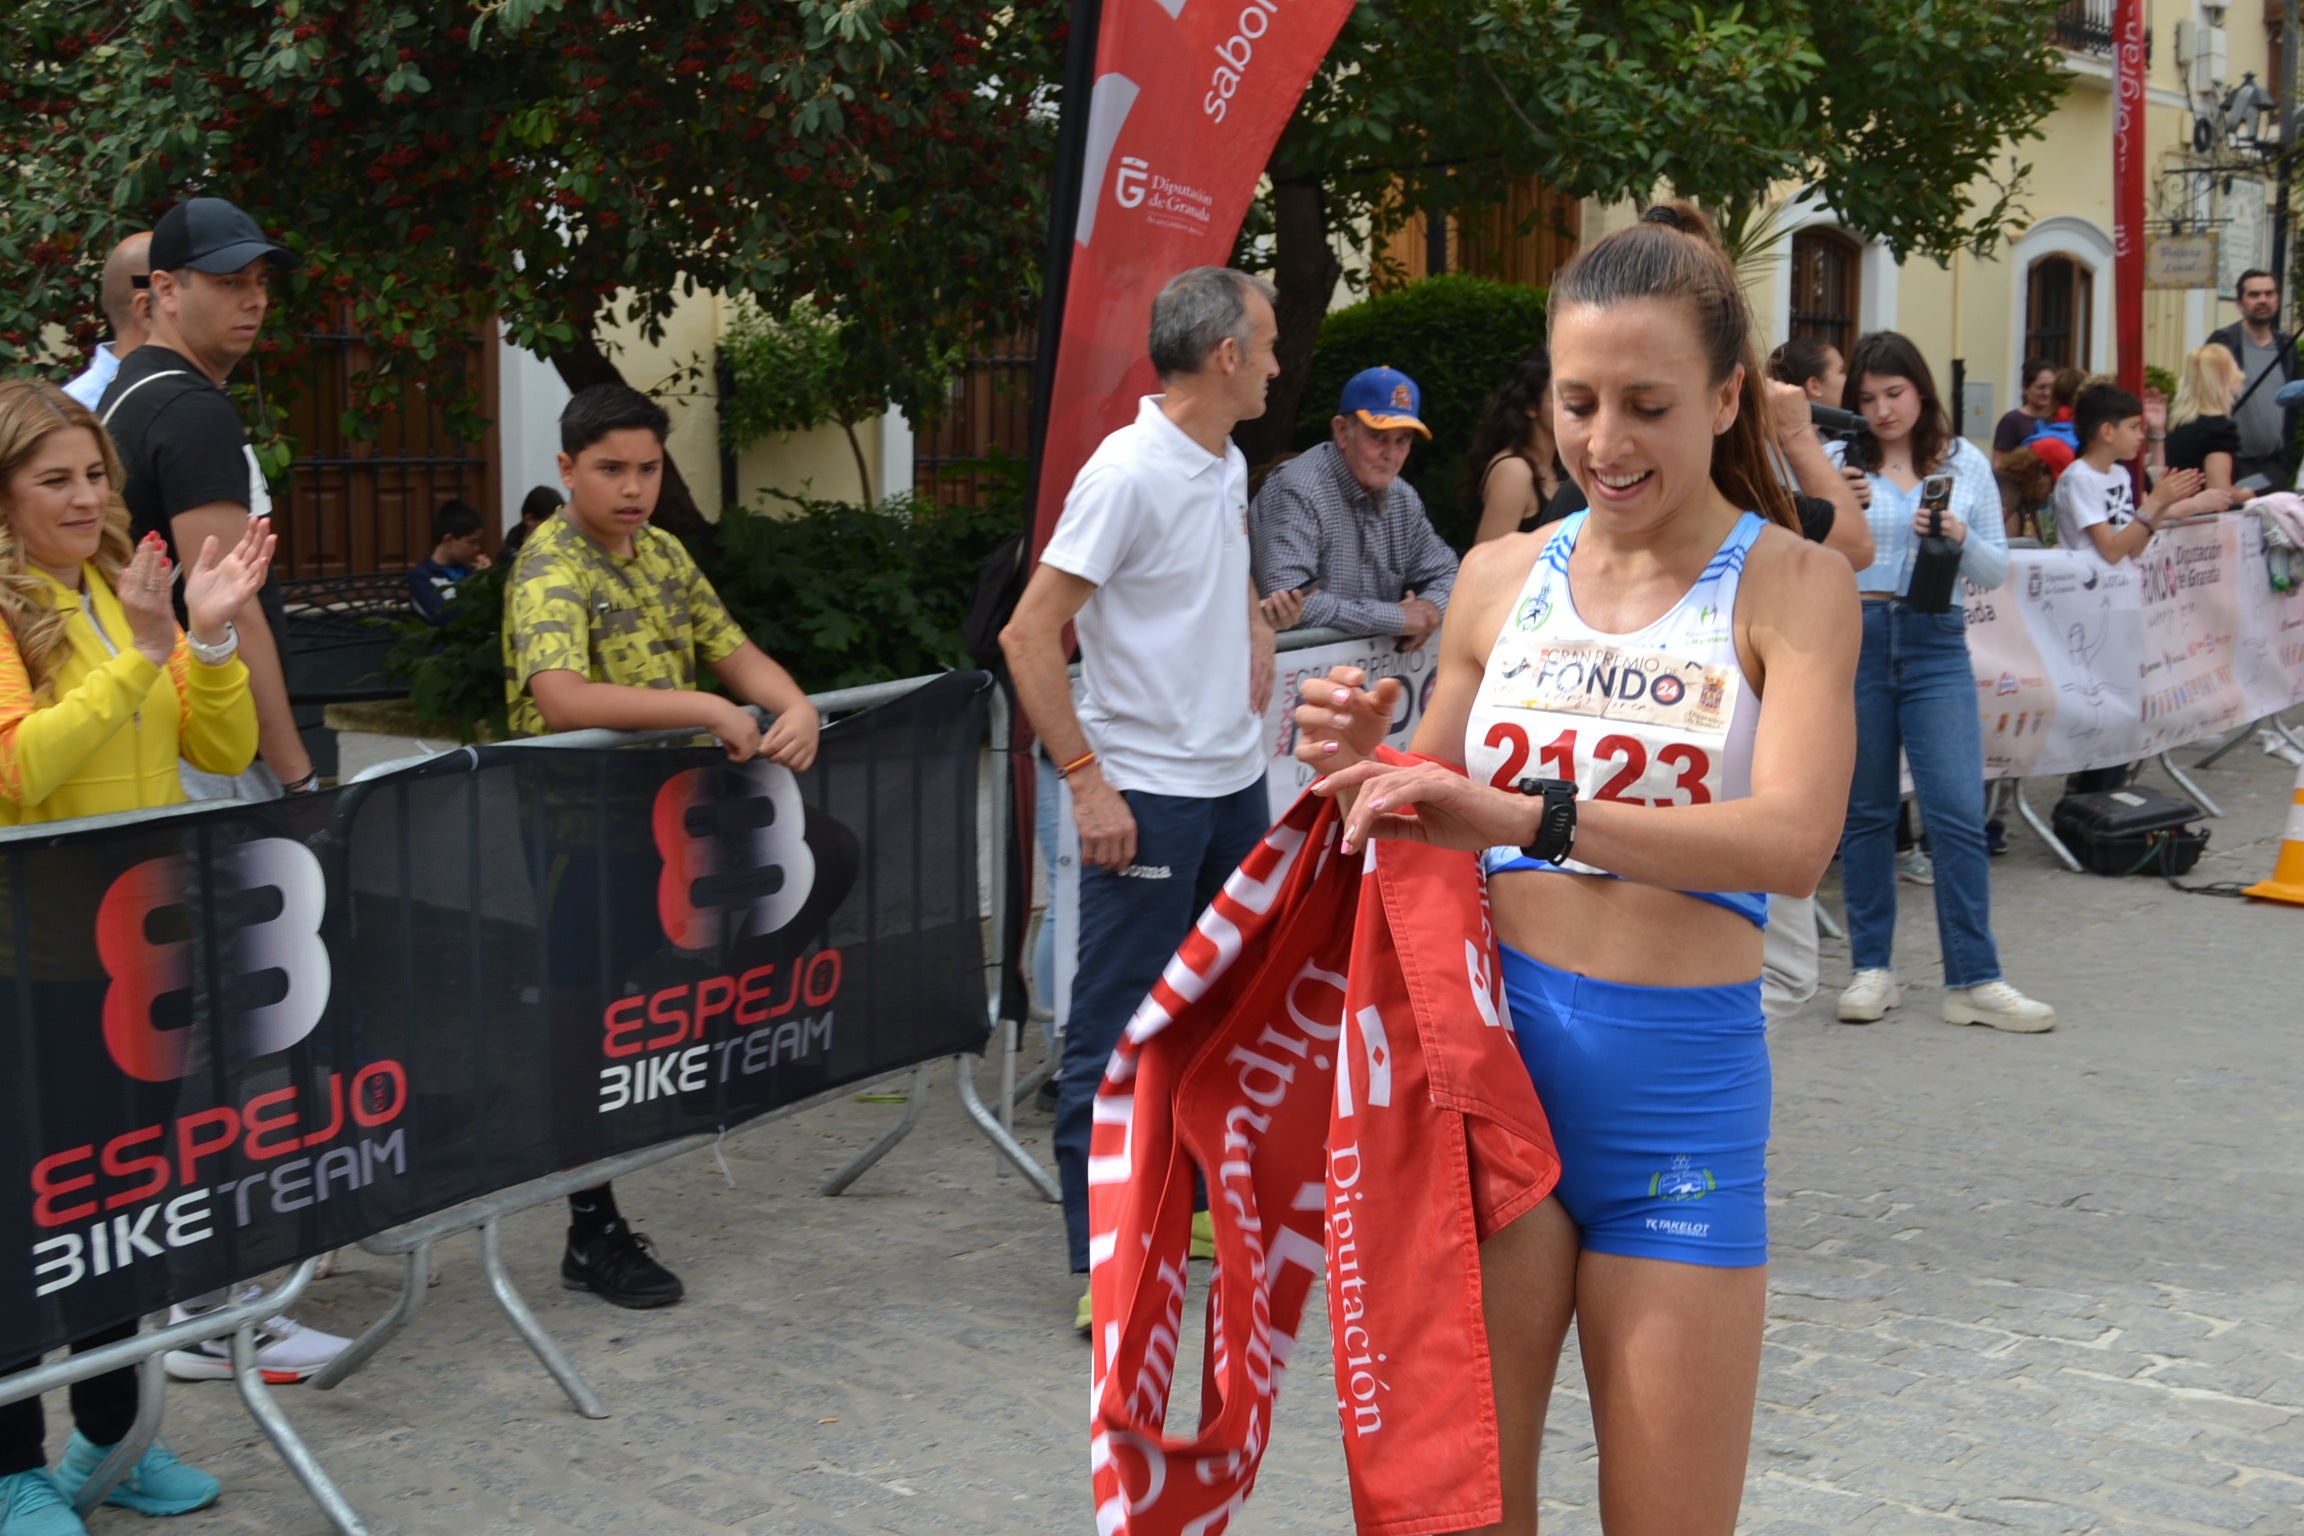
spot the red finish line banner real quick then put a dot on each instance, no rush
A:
(1189, 97)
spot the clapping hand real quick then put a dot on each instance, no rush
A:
(2175, 486)
(218, 585)
(143, 590)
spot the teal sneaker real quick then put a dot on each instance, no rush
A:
(32, 1505)
(158, 1484)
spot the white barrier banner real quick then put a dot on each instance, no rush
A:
(2080, 664)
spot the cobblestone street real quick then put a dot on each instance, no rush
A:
(2030, 1283)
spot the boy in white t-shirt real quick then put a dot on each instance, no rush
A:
(2096, 501)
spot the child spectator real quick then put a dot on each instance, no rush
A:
(2096, 500)
(606, 620)
(536, 509)
(457, 540)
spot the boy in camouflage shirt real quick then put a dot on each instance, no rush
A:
(606, 620)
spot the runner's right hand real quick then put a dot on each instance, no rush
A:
(1342, 721)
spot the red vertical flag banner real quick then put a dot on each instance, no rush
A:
(1189, 97)
(2128, 191)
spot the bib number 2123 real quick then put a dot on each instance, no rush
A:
(1676, 773)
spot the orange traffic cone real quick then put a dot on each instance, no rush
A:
(2287, 882)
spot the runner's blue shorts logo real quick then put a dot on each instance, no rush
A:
(1681, 1182)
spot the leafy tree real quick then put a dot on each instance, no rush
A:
(800, 371)
(560, 164)
(1901, 114)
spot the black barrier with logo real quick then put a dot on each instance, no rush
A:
(248, 1034)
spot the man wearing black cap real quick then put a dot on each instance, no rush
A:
(190, 470)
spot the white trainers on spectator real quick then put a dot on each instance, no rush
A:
(286, 1351)
(2000, 1005)
(1915, 866)
(1870, 996)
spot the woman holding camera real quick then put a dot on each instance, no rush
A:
(1916, 694)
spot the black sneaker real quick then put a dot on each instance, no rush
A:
(618, 1266)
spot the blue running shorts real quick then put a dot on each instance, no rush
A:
(1658, 1098)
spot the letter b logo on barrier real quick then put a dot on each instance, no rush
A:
(264, 952)
(733, 841)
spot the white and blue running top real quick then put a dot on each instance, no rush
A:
(1663, 717)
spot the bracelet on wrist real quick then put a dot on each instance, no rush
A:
(306, 785)
(1083, 760)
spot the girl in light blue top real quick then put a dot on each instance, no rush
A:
(1916, 698)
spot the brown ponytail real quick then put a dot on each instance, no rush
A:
(1672, 253)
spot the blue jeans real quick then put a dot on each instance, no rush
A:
(1131, 922)
(1915, 690)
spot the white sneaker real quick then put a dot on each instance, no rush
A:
(2000, 1005)
(1915, 866)
(1870, 996)
(286, 1351)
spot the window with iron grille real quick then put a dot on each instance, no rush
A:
(353, 504)
(2059, 297)
(1826, 287)
(989, 414)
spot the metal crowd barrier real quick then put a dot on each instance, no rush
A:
(239, 1319)
(415, 1241)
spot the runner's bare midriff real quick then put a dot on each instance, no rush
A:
(1607, 930)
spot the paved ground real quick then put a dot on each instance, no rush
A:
(2034, 1284)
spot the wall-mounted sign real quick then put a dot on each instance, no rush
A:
(2241, 243)
(2180, 261)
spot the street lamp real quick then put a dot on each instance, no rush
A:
(2238, 115)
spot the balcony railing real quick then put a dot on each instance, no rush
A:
(2085, 26)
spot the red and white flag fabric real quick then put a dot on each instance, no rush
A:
(1189, 98)
(1331, 1049)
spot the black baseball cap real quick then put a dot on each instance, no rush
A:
(209, 234)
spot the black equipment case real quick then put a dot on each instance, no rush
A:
(2130, 831)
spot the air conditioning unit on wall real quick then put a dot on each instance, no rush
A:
(2202, 49)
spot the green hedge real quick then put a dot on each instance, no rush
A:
(839, 593)
(1457, 337)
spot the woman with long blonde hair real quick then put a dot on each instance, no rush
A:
(2201, 432)
(100, 693)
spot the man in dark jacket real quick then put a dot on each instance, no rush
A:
(2267, 360)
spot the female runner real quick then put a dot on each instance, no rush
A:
(1601, 684)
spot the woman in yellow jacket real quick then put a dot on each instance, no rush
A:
(99, 695)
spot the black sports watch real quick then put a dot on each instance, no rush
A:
(1556, 828)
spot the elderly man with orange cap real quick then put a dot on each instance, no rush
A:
(1340, 541)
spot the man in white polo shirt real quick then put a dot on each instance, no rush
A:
(1164, 755)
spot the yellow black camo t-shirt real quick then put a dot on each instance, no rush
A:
(645, 622)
